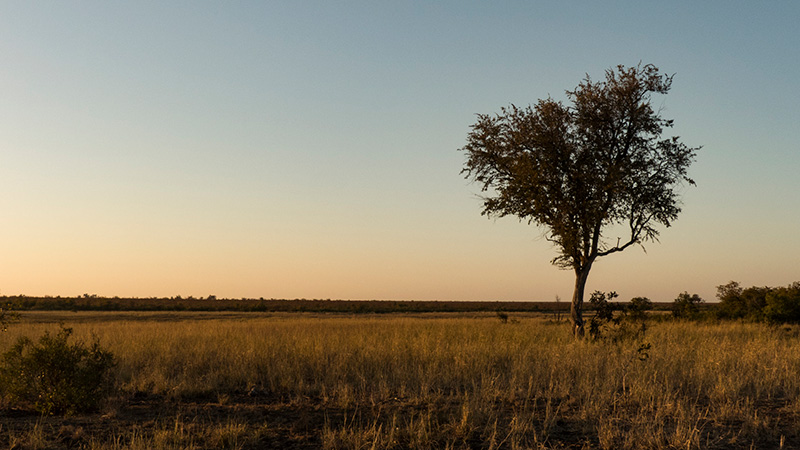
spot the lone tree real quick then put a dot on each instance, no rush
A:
(584, 169)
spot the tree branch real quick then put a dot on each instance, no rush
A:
(618, 248)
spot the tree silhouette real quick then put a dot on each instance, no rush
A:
(580, 169)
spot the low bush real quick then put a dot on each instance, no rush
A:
(638, 307)
(736, 302)
(55, 376)
(783, 304)
(686, 306)
(6, 317)
(603, 319)
(770, 304)
(626, 326)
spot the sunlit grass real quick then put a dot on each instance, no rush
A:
(467, 382)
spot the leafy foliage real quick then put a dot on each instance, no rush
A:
(56, 376)
(783, 304)
(623, 328)
(638, 307)
(604, 313)
(757, 303)
(579, 169)
(738, 303)
(686, 306)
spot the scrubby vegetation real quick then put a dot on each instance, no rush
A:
(6, 316)
(687, 306)
(54, 375)
(770, 304)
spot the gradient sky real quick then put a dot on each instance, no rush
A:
(310, 149)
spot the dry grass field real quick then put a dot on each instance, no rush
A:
(429, 381)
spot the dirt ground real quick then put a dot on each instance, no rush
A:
(261, 421)
(183, 424)
(243, 421)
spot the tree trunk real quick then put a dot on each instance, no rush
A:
(576, 309)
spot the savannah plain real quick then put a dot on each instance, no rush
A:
(440, 380)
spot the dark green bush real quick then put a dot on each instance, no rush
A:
(626, 327)
(603, 318)
(686, 306)
(55, 376)
(783, 304)
(738, 303)
(771, 304)
(638, 307)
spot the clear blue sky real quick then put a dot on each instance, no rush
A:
(309, 149)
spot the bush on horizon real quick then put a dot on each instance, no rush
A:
(756, 303)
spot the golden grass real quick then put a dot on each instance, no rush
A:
(460, 382)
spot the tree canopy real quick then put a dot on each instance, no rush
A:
(577, 169)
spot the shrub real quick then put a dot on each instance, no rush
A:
(686, 306)
(6, 317)
(738, 303)
(56, 376)
(783, 304)
(603, 317)
(731, 304)
(638, 307)
(626, 327)
(503, 316)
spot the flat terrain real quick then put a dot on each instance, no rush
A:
(241, 380)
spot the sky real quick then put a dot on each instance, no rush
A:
(310, 149)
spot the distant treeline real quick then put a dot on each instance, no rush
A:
(94, 303)
(768, 304)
